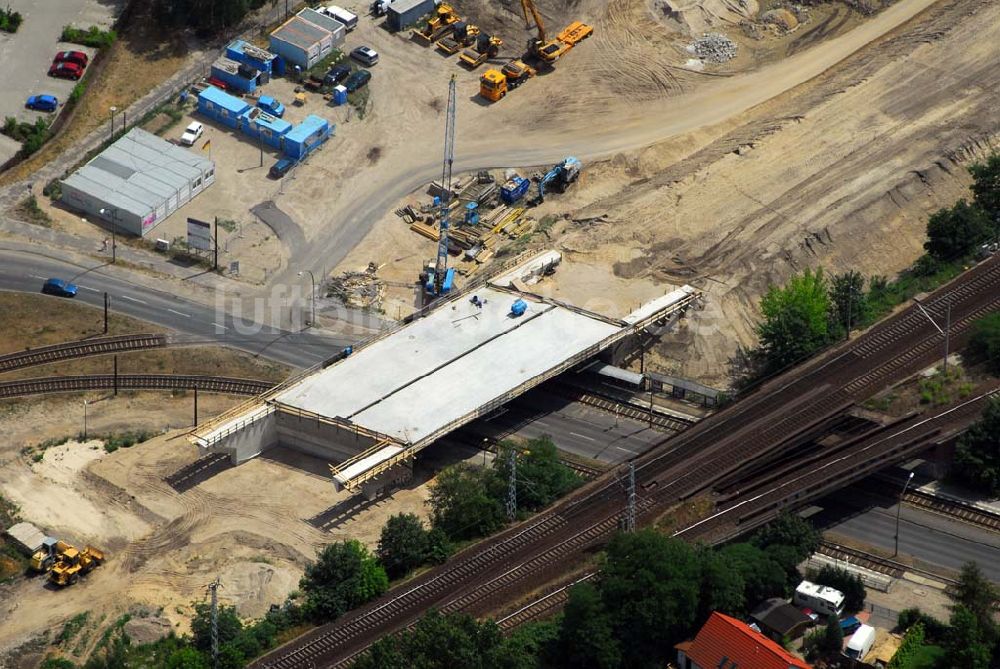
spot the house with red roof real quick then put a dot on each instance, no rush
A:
(727, 643)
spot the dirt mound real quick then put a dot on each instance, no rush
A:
(147, 630)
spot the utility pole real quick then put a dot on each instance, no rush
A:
(105, 312)
(116, 375)
(630, 499)
(215, 264)
(196, 406)
(512, 484)
(899, 506)
(214, 588)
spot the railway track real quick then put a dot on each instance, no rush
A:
(665, 422)
(73, 384)
(81, 349)
(522, 558)
(953, 508)
(871, 562)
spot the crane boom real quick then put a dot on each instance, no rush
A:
(449, 158)
(528, 7)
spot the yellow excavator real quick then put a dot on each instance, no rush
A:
(444, 16)
(494, 84)
(73, 563)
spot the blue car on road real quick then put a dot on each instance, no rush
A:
(60, 288)
(47, 103)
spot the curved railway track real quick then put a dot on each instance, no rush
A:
(74, 384)
(523, 557)
(81, 349)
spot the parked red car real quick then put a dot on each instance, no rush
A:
(66, 71)
(77, 57)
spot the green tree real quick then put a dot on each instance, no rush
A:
(976, 594)
(788, 529)
(463, 503)
(833, 636)
(722, 585)
(586, 637)
(403, 544)
(954, 233)
(762, 576)
(796, 319)
(966, 647)
(985, 341)
(977, 455)
(848, 583)
(345, 575)
(439, 547)
(848, 301)
(541, 477)
(986, 187)
(230, 625)
(650, 586)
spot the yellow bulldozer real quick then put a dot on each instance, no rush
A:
(444, 16)
(74, 563)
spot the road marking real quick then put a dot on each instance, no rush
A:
(93, 290)
(179, 313)
(132, 299)
(35, 276)
(582, 436)
(627, 450)
(219, 326)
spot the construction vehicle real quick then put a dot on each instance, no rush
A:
(546, 50)
(73, 563)
(46, 556)
(462, 35)
(486, 47)
(494, 84)
(559, 177)
(439, 279)
(444, 17)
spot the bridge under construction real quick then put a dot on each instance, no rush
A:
(370, 409)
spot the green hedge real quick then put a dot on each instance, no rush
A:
(92, 36)
(10, 20)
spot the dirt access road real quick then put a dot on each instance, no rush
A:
(588, 131)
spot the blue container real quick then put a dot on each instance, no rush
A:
(514, 190)
(518, 308)
(339, 96)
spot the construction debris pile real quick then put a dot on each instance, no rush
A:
(360, 290)
(713, 48)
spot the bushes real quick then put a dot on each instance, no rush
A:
(112, 442)
(31, 135)
(10, 20)
(406, 544)
(848, 583)
(985, 342)
(977, 456)
(345, 575)
(92, 36)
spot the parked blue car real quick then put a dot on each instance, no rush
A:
(47, 103)
(271, 106)
(59, 288)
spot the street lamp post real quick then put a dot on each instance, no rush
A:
(312, 297)
(899, 507)
(85, 420)
(113, 110)
(113, 212)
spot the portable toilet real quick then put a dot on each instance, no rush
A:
(472, 213)
(339, 95)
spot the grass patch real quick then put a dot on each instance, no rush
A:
(29, 211)
(360, 100)
(31, 135)
(227, 224)
(926, 657)
(112, 442)
(939, 389)
(72, 628)
(10, 20)
(92, 36)
(885, 295)
(320, 69)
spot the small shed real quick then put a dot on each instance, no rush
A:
(236, 75)
(26, 536)
(403, 13)
(301, 42)
(220, 106)
(253, 56)
(306, 136)
(335, 27)
(778, 619)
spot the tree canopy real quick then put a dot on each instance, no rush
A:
(985, 341)
(403, 544)
(541, 477)
(986, 187)
(796, 319)
(345, 575)
(586, 639)
(955, 232)
(977, 455)
(464, 501)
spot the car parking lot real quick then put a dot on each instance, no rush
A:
(27, 54)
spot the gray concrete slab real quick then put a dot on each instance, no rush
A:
(27, 54)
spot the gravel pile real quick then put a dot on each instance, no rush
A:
(714, 48)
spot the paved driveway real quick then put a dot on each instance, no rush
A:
(27, 54)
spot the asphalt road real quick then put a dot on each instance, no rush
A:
(926, 536)
(203, 324)
(574, 427)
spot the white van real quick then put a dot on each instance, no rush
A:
(860, 643)
(823, 600)
(349, 19)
